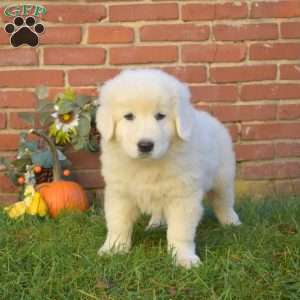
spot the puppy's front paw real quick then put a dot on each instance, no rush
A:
(230, 218)
(114, 248)
(188, 261)
(104, 250)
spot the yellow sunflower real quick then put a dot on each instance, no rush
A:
(64, 126)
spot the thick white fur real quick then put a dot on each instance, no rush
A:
(192, 155)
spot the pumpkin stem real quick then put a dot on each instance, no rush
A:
(56, 163)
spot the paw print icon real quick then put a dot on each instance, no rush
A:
(24, 31)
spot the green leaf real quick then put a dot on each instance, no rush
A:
(45, 105)
(65, 107)
(60, 155)
(79, 143)
(13, 176)
(43, 158)
(21, 163)
(23, 136)
(5, 162)
(59, 97)
(77, 110)
(93, 144)
(69, 94)
(32, 146)
(65, 163)
(84, 126)
(63, 159)
(82, 100)
(86, 115)
(41, 92)
(45, 117)
(28, 117)
(58, 137)
(93, 147)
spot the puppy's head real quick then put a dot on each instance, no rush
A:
(143, 111)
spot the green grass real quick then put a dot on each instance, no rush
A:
(56, 259)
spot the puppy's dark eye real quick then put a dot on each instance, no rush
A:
(159, 116)
(129, 116)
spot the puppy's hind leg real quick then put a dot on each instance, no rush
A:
(157, 220)
(222, 199)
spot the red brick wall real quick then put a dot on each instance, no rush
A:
(241, 60)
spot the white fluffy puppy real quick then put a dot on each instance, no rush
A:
(160, 156)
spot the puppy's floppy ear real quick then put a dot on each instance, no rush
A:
(184, 112)
(105, 123)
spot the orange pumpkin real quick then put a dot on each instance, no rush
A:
(21, 180)
(37, 169)
(60, 194)
(67, 172)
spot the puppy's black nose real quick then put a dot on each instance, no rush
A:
(145, 146)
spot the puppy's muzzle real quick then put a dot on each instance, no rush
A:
(145, 146)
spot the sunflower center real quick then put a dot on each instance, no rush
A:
(66, 118)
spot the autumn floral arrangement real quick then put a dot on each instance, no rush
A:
(67, 121)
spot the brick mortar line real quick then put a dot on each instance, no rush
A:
(67, 67)
(211, 40)
(276, 159)
(84, 35)
(191, 84)
(270, 122)
(139, 25)
(262, 142)
(11, 131)
(136, 1)
(230, 22)
(269, 42)
(166, 44)
(6, 153)
(41, 57)
(17, 109)
(224, 21)
(265, 102)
